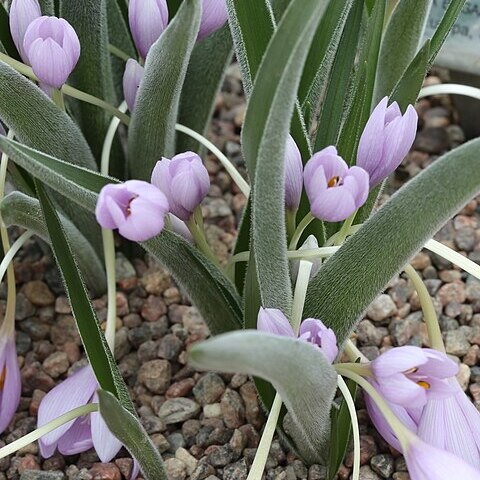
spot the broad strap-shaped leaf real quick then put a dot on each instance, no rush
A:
(93, 339)
(205, 73)
(212, 293)
(402, 39)
(128, 429)
(152, 129)
(350, 280)
(24, 211)
(267, 124)
(299, 372)
(93, 73)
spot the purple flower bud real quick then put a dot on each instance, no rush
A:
(10, 379)
(273, 320)
(214, 16)
(83, 433)
(316, 333)
(185, 182)
(386, 140)
(409, 376)
(22, 14)
(180, 228)
(131, 81)
(293, 175)
(136, 208)
(148, 19)
(334, 190)
(53, 49)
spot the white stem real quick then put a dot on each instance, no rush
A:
(353, 353)
(260, 460)
(13, 250)
(227, 164)
(355, 429)
(450, 89)
(108, 239)
(303, 277)
(49, 427)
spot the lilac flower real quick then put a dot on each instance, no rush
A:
(148, 19)
(180, 228)
(334, 190)
(425, 462)
(386, 140)
(185, 182)
(22, 14)
(293, 175)
(10, 380)
(80, 434)
(136, 208)
(214, 16)
(409, 376)
(452, 424)
(131, 81)
(52, 48)
(272, 320)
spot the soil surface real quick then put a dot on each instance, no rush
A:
(208, 425)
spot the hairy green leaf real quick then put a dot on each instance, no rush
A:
(93, 73)
(350, 280)
(308, 397)
(96, 347)
(128, 429)
(205, 73)
(267, 124)
(152, 130)
(24, 211)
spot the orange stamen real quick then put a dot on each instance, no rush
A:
(333, 182)
(2, 377)
(424, 385)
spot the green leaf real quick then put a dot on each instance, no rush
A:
(152, 130)
(267, 124)
(6, 41)
(24, 211)
(341, 431)
(308, 396)
(205, 73)
(322, 51)
(98, 352)
(400, 43)
(128, 429)
(448, 20)
(93, 72)
(336, 93)
(350, 280)
(208, 288)
(38, 122)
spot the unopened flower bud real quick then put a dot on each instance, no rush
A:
(386, 140)
(22, 14)
(293, 175)
(136, 208)
(334, 190)
(214, 16)
(185, 182)
(148, 19)
(53, 49)
(131, 81)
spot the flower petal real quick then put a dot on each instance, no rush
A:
(12, 388)
(77, 439)
(398, 360)
(400, 390)
(334, 204)
(272, 320)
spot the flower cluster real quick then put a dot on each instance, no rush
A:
(148, 19)
(49, 45)
(334, 189)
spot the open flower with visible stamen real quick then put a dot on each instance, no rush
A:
(273, 320)
(10, 379)
(409, 376)
(83, 433)
(334, 190)
(136, 208)
(386, 140)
